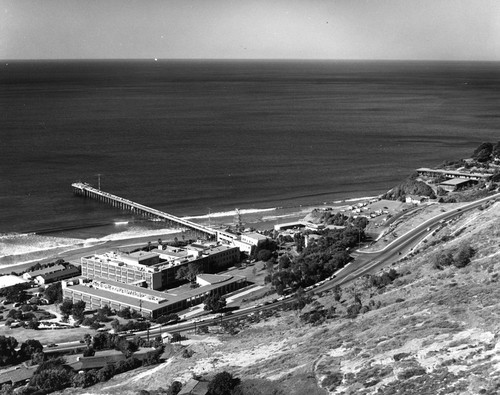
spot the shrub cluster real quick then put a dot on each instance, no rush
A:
(459, 259)
(318, 261)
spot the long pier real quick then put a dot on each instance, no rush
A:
(87, 191)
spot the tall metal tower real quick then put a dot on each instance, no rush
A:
(237, 220)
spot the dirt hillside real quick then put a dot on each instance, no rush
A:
(430, 331)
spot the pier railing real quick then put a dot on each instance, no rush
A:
(86, 190)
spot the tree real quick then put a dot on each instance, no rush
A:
(264, 255)
(28, 348)
(104, 311)
(51, 380)
(53, 293)
(496, 150)
(7, 350)
(126, 347)
(84, 379)
(15, 314)
(78, 309)
(174, 388)
(464, 255)
(443, 259)
(270, 266)
(33, 324)
(222, 384)
(87, 339)
(483, 152)
(188, 272)
(125, 313)
(115, 324)
(16, 293)
(103, 341)
(88, 352)
(299, 241)
(105, 373)
(284, 262)
(301, 299)
(214, 303)
(163, 319)
(65, 307)
(353, 310)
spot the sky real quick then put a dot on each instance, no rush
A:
(250, 29)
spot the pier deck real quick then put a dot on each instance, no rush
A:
(86, 190)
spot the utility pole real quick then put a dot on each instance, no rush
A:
(99, 181)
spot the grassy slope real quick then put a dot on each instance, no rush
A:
(435, 332)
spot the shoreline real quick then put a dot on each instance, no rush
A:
(260, 219)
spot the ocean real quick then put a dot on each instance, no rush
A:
(198, 137)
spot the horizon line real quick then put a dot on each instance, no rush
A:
(153, 59)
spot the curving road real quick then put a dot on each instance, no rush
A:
(364, 263)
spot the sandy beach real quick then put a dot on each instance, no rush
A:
(75, 253)
(49, 248)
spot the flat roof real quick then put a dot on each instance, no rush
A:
(454, 172)
(255, 235)
(214, 278)
(46, 270)
(216, 249)
(121, 298)
(140, 255)
(455, 181)
(131, 294)
(69, 271)
(9, 280)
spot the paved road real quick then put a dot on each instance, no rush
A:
(368, 262)
(364, 263)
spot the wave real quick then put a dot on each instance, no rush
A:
(231, 213)
(135, 233)
(23, 243)
(10, 236)
(361, 198)
(276, 217)
(19, 248)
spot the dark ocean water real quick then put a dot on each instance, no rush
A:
(187, 137)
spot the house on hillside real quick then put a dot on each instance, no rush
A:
(415, 199)
(457, 184)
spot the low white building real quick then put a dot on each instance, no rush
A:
(253, 238)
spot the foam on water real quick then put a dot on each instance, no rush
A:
(16, 248)
(138, 232)
(231, 213)
(24, 243)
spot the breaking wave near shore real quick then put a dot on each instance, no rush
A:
(231, 213)
(18, 248)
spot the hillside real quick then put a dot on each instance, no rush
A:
(430, 331)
